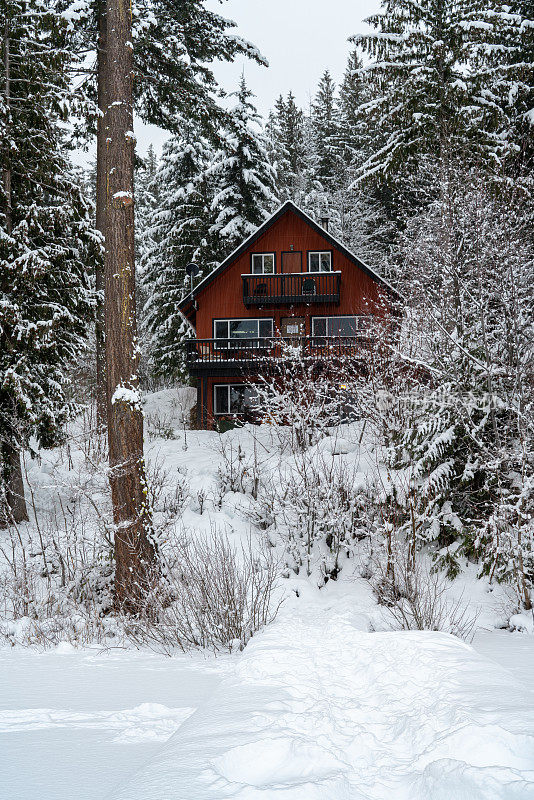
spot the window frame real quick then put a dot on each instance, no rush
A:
(228, 387)
(253, 255)
(228, 320)
(328, 335)
(319, 253)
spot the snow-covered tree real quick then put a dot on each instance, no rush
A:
(287, 147)
(469, 270)
(246, 181)
(326, 129)
(45, 240)
(502, 55)
(353, 92)
(177, 234)
(424, 99)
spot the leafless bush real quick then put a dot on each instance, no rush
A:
(56, 573)
(315, 509)
(303, 398)
(159, 425)
(213, 595)
(417, 598)
(239, 472)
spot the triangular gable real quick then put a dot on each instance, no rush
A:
(284, 208)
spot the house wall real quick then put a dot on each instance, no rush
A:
(223, 298)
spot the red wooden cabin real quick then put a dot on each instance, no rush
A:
(291, 280)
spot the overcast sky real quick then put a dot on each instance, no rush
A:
(300, 39)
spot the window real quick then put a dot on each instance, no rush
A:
(320, 261)
(233, 398)
(340, 326)
(262, 263)
(240, 329)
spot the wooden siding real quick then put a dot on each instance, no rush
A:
(223, 298)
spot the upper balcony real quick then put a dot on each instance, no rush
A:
(291, 288)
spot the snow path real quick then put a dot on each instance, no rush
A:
(317, 710)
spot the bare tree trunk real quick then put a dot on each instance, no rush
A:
(134, 551)
(11, 477)
(15, 502)
(101, 403)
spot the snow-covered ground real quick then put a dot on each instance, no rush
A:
(326, 702)
(313, 708)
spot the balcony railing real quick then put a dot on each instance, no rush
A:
(223, 352)
(297, 287)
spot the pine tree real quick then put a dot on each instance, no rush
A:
(45, 244)
(501, 50)
(424, 99)
(134, 548)
(353, 92)
(326, 130)
(246, 185)
(469, 276)
(178, 235)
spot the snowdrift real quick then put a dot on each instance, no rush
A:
(317, 710)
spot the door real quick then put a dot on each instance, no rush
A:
(293, 328)
(292, 261)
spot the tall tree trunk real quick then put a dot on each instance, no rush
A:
(10, 466)
(15, 509)
(134, 551)
(101, 403)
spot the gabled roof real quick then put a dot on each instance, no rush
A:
(284, 208)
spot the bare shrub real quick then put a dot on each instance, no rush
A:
(316, 511)
(238, 472)
(214, 595)
(160, 425)
(303, 397)
(417, 598)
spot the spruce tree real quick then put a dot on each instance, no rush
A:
(326, 130)
(501, 51)
(424, 98)
(46, 238)
(178, 234)
(468, 272)
(290, 141)
(146, 204)
(353, 93)
(246, 185)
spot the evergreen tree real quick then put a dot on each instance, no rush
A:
(147, 203)
(246, 181)
(178, 234)
(501, 51)
(326, 129)
(289, 144)
(424, 100)
(353, 92)
(468, 262)
(46, 237)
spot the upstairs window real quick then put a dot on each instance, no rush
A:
(239, 329)
(341, 326)
(320, 261)
(262, 263)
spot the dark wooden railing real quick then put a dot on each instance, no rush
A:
(297, 287)
(226, 351)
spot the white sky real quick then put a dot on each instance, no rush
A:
(300, 39)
